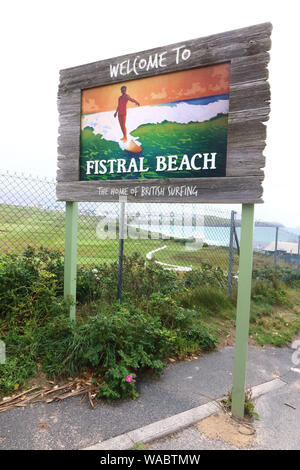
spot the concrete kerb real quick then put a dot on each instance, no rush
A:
(174, 423)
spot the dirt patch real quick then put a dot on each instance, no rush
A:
(40, 380)
(288, 316)
(43, 426)
(228, 339)
(222, 427)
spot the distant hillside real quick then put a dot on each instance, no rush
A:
(261, 223)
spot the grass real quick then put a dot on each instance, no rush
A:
(275, 325)
(214, 255)
(272, 322)
(22, 226)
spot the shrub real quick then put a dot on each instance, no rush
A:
(212, 299)
(166, 307)
(207, 276)
(162, 315)
(268, 292)
(190, 334)
(15, 372)
(28, 286)
(194, 339)
(119, 383)
(112, 344)
(20, 362)
(101, 282)
(281, 274)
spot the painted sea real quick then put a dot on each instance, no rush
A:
(175, 128)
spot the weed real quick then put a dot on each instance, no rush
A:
(139, 446)
(248, 406)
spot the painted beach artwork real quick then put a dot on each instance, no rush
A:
(167, 126)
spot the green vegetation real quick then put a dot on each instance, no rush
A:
(248, 407)
(163, 315)
(139, 446)
(275, 313)
(114, 341)
(23, 226)
(166, 138)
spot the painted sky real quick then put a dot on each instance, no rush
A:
(185, 85)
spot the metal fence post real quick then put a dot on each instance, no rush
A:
(276, 247)
(236, 237)
(298, 260)
(243, 311)
(121, 248)
(230, 257)
(70, 266)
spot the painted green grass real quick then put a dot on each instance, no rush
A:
(166, 138)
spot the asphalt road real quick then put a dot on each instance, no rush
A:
(184, 385)
(277, 429)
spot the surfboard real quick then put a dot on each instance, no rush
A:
(133, 147)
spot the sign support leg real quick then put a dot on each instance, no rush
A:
(70, 267)
(243, 311)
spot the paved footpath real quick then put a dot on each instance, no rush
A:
(184, 385)
(278, 427)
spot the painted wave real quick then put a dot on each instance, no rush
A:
(181, 112)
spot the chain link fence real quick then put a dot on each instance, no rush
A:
(178, 236)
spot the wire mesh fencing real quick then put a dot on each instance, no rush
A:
(177, 236)
(285, 248)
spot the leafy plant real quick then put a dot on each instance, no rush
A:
(163, 314)
(207, 276)
(282, 273)
(248, 405)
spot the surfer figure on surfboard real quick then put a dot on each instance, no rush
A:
(122, 109)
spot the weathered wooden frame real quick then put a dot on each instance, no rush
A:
(247, 51)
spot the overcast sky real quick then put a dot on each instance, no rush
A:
(38, 39)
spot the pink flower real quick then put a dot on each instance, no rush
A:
(129, 378)
(6, 251)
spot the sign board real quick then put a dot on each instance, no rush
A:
(180, 123)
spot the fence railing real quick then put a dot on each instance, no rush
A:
(177, 236)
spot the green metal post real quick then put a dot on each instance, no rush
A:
(70, 272)
(243, 311)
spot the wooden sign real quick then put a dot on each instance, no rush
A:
(180, 123)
